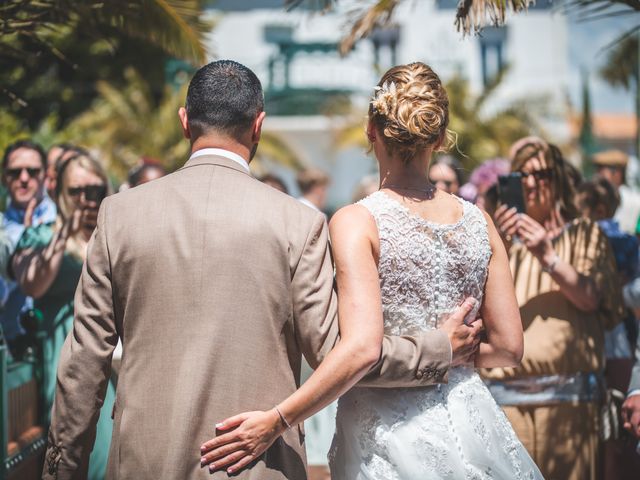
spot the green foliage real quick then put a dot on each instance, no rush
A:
(127, 123)
(481, 136)
(620, 68)
(52, 52)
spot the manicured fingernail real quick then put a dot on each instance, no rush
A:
(212, 467)
(202, 460)
(230, 470)
(219, 425)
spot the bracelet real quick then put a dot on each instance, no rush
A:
(284, 420)
(549, 268)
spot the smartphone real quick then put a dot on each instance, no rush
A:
(510, 191)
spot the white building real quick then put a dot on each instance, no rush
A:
(534, 45)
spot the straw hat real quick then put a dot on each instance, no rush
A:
(611, 158)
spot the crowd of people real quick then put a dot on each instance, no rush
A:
(574, 400)
(53, 203)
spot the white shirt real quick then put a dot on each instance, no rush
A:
(308, 203)
(220, 152)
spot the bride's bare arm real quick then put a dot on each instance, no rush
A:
(353, 234)
(500, 311)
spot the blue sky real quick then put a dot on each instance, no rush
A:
(586, 49)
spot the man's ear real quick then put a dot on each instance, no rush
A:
(256, 129)
(184, 123)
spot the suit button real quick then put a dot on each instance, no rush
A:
(419, 375)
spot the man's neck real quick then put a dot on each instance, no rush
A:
(223, 143)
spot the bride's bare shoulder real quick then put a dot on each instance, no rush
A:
(352, 216)
(353, 221)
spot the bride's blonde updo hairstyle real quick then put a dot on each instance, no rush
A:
(410, 108)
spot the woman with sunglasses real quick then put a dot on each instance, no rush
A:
(566, 286)
(445, 172)
(47, 265)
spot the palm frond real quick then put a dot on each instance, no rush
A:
(474, 15)
(176, 26)
(621, 64)
(378, 15)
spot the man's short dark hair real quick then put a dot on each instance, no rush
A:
(24, 144)
(223, 96)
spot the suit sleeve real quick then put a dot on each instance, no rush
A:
(85, 365)
(406, 361)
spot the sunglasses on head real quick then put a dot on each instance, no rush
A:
(14, 173)
(92, 193)
(544, 174)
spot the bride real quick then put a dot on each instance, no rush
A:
(406, 257)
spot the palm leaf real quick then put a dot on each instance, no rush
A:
(621, 64)
(367, 20)
(175, 26)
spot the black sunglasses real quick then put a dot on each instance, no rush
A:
(538, 175)
(92, 193)
(447, 183)
(14, 173)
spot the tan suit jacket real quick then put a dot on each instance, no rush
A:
(216, 285)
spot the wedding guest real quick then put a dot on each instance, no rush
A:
(146, 172)
(313, 184)
(612, 165)
(56, 155)
(598, 200)
(568, 292)
(275, 182)
(23, 175)
(445, 172)
(47, 265)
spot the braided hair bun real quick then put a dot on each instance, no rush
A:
(410, 108)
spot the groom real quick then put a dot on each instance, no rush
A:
(216, 284)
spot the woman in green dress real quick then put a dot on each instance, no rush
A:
(47, 264)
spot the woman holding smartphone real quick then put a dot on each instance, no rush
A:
(47, 264)
(566, 287)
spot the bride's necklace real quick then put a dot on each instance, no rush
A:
(429, 190)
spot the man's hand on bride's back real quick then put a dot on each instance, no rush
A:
(464, 337)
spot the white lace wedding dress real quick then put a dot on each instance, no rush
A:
(452, 431)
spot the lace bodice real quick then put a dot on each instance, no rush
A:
(427, 269)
